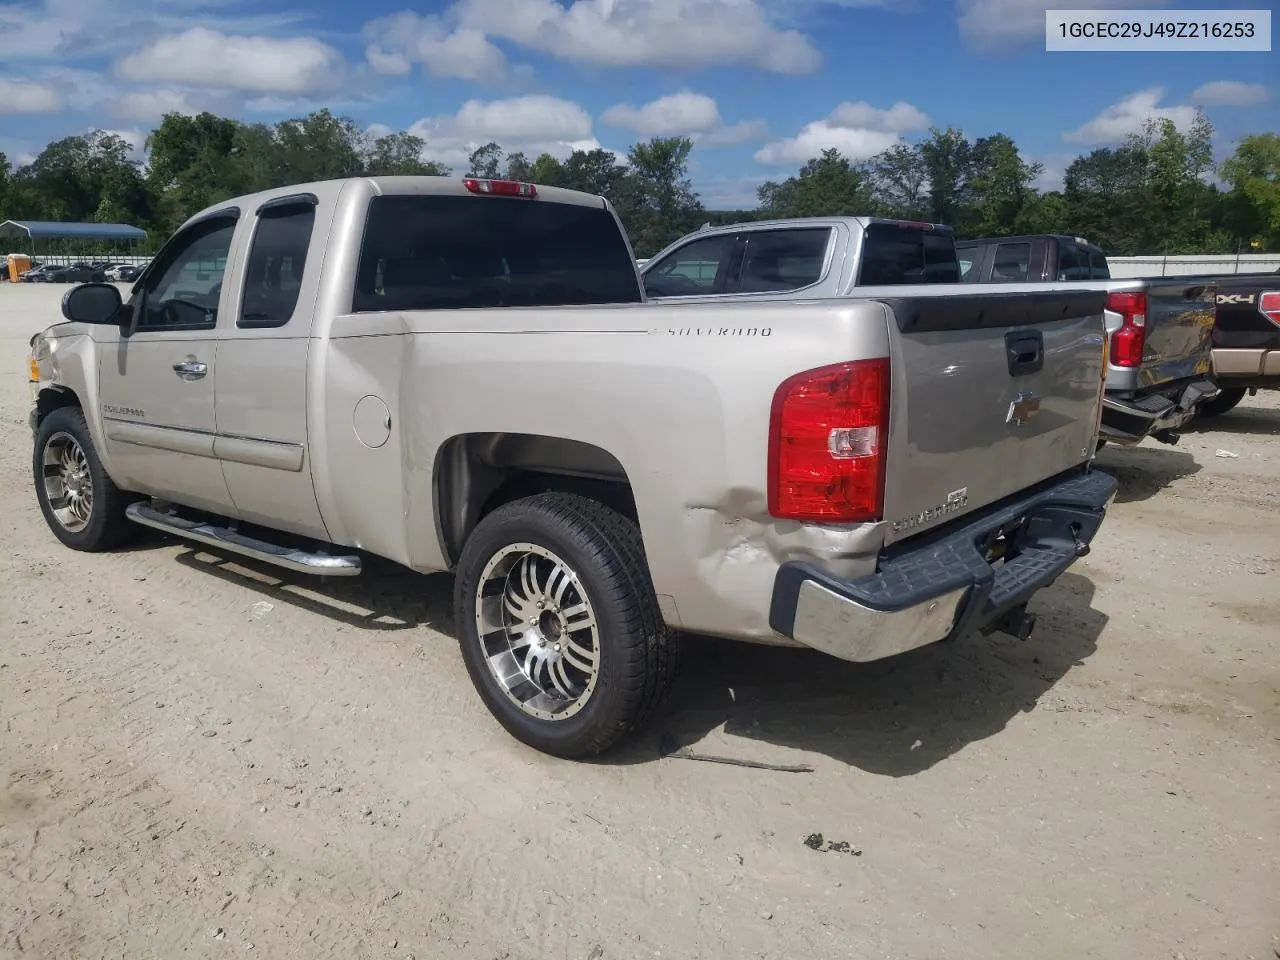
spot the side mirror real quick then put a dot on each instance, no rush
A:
(91, 303)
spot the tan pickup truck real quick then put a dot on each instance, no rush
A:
(464, 375)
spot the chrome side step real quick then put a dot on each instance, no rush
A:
(225, 538)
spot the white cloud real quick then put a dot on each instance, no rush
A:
(899, 118)
(729, 193)
(734, 133)
(1230, 93)
(254, 64)
(822, 135)
(532, 124)
(998, 26)
(684, 114)
(1119, 120)
(645, 33)
(147, 106)
(67, 31)
(678, 114)
(25, 96)
(405, 38)
(858, 130)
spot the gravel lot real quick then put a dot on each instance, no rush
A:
(204, 758)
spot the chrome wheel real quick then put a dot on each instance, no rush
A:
(68, 483)
(538, 631)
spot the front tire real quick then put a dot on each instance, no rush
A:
(559, 625)
(1221, 402)
(81, 504)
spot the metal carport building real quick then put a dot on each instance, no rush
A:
(56, 242)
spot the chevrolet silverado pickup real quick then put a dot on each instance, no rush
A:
(802, 257)
(464, 375)
(1160, 328)
(1246, 339)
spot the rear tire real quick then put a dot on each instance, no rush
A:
(1221, 402)
(559, 625)
(81, 504)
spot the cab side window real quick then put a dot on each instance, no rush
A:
(691, 270)
(778, 260)
(277, 258)
(182, 293)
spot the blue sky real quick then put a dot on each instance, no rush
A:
(759, 84)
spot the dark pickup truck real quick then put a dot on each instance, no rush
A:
(1246, 339)
(1160, 328)
(1031, 259)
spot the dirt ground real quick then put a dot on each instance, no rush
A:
(206, 759)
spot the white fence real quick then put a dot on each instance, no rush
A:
(1182, 266)
(1192, 265)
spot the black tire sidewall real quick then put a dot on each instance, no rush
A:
(71, 421)
(1224, 401)
(609, 705)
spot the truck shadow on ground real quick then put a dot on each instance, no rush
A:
(895, 717)
(1143, 471)
(1241, 420)
(386, 597)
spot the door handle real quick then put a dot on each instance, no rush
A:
(1024, 350)
(191, 369)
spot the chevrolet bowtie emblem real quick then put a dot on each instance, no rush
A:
(1023, 409)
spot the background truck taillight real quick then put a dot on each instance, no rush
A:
(1269, 306)
(1130, 340)
(827, 434)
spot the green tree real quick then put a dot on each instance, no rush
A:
(320, 146)
(1105, 200)
(830, 185)
(948, 160)
(190, 161)
(999, 187)
(1253, 205)
(485, 162)
(899, 177)
(400, 155)
(658, 204)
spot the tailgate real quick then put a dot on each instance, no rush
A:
(1180, 314)
(992, 393)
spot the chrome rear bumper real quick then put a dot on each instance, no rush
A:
(937, 589)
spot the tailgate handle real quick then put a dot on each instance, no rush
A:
(1025, 350)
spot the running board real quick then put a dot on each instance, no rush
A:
(225, 538)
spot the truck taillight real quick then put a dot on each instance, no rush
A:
(1128, 343)
(500, 188)
(827, 433)
(1269, 306)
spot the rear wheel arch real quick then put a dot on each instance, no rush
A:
(476, 473)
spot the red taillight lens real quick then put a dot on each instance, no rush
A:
(500, 188)
(1128, 343)
(1269, 305)
(827, 433)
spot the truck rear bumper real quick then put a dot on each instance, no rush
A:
(1250, 367)
(1129, 420)
(924, 594)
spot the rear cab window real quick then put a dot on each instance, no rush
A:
(455, 252)
(1073, 262)
(1012, 262)
(896, 254)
